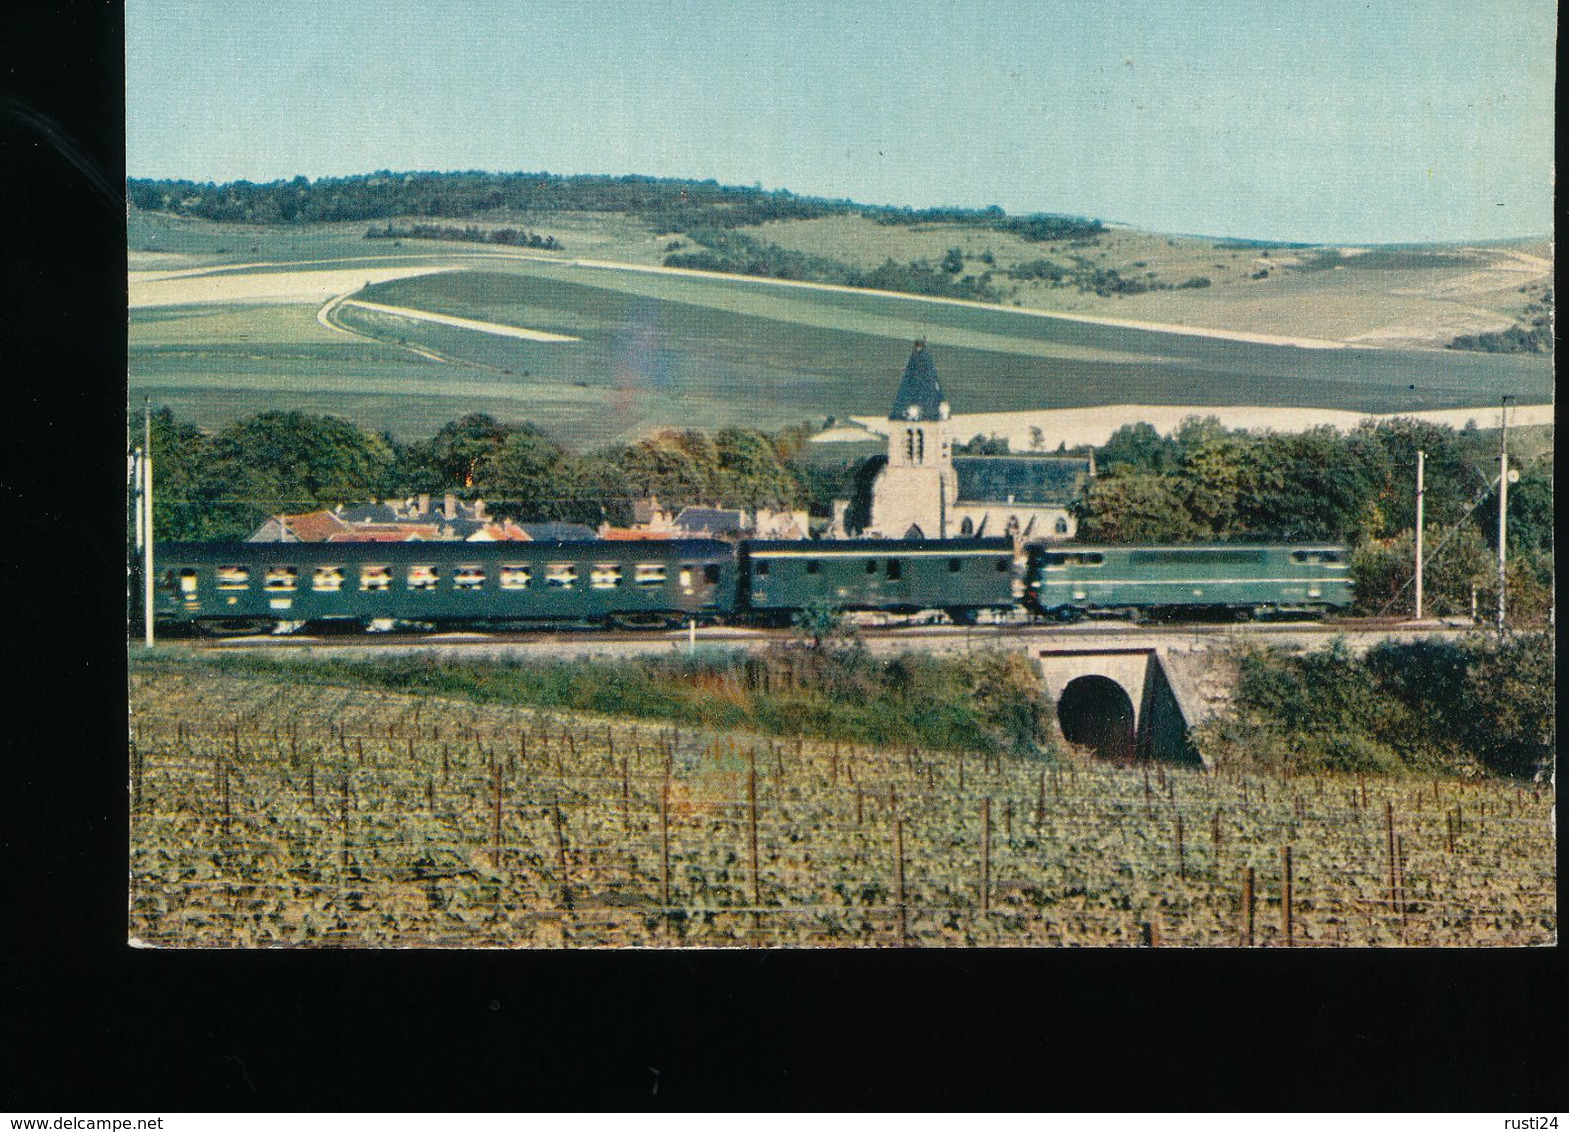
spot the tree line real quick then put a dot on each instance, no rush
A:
(737, 254)
(223, 484)
(1204, 482)
(511, 237)
(666, 204)
(1201, 482)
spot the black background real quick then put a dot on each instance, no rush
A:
(92, 1025)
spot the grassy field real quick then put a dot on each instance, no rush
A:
(1432, 293)
(660, 350)
(277, 814)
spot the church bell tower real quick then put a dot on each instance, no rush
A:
(914, 492)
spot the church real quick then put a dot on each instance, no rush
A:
(925, 491)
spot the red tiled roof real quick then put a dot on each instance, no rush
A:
(505, 531)
(385, 532)
(631, 534)
(312, 526)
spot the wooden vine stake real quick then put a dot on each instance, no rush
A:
(898, 878)
(226, 811)
(751, 822)
(664, 844)
(561, 857)
(1182, 866)
(1400, 868)
(1389, 832)
(343, 818)
(986, 854)
(1040, 805)
(1285, 897)
(1247, 907)
(495, 816)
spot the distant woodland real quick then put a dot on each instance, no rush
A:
(667, 205)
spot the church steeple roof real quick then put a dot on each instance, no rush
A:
(920, 396)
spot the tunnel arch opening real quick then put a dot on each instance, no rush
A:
(1096, 712)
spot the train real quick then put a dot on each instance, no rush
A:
(248, 587)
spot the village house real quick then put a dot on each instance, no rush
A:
(412, 520)
(652, 520)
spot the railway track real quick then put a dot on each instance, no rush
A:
(578, 641)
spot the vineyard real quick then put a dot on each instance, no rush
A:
(266, 814)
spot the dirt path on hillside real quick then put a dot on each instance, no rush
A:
(1094, 424)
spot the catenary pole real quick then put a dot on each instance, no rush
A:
(133, 482)
(147, 522)
(1503, 504)
(1421, 459)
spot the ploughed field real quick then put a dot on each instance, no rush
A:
(268, 814)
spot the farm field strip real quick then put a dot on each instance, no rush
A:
(1296, 341)
(1095, 424)
(272, 815)
(503, 330)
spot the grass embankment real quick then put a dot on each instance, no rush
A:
(1472, 708)
(989, 702)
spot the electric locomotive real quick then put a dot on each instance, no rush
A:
(1070, 581)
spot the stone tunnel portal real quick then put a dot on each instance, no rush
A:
(1096, 712)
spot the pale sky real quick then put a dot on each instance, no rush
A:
(1396, 120)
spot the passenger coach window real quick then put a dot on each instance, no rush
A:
(811, 566)
(188, 581)
(515, 577)
(649, 574)
(561, 575)
(1003, 565)
(760, 568)
(327, 579)
(375, 578)
(711, 574)
(281, 578)
(871, 565)
(422, 578)
(686, 578)
(233, 577)
(468, 578)
(894, 568)
(605, 576)
(954, 565)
